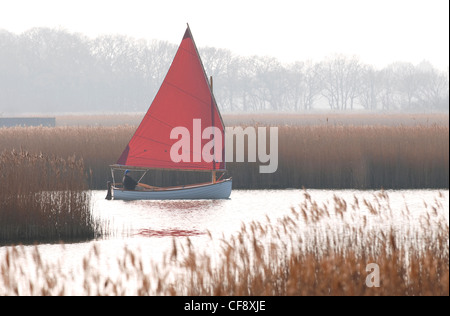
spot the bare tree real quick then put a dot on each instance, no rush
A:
(433, 87)
(154, 62)
(388, 93)
(313, 84)
(296, 85)
(406, 80)
(341, 77)
(219, 63)
(303, 86)
(370, 87)
(246, 83)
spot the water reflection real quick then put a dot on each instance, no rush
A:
(181, 205)
(194, 218)
(176, 218)
(169, 233)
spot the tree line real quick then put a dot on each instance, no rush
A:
(55, 71)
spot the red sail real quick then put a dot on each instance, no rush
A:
(184, 96)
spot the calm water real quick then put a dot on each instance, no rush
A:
(148, 227)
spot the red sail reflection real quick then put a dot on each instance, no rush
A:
(169, 233)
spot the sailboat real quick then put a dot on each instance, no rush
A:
(183, 106)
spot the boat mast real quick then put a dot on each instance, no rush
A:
(213, 173)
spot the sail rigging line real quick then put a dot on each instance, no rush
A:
(156, 141)
(153, 140)
(214, 132)
(189, 94)
(140, 179)
(155, 118)
(187, 51)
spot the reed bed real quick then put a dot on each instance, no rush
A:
(358, 157)
(318, 249)
(318, 156)
(324, 250)
(98, 147)
(44, 198)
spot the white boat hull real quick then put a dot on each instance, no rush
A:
(219, 190)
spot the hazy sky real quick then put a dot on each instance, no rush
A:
(377, 31)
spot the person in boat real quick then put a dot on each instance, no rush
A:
(128, 182)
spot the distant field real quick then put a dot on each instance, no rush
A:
(338, 119)
(324, 152)
(99, 120)
(315, 118)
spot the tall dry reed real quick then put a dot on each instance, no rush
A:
(321, 250)
(44, 198)
(97, 146)
(357, 157)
